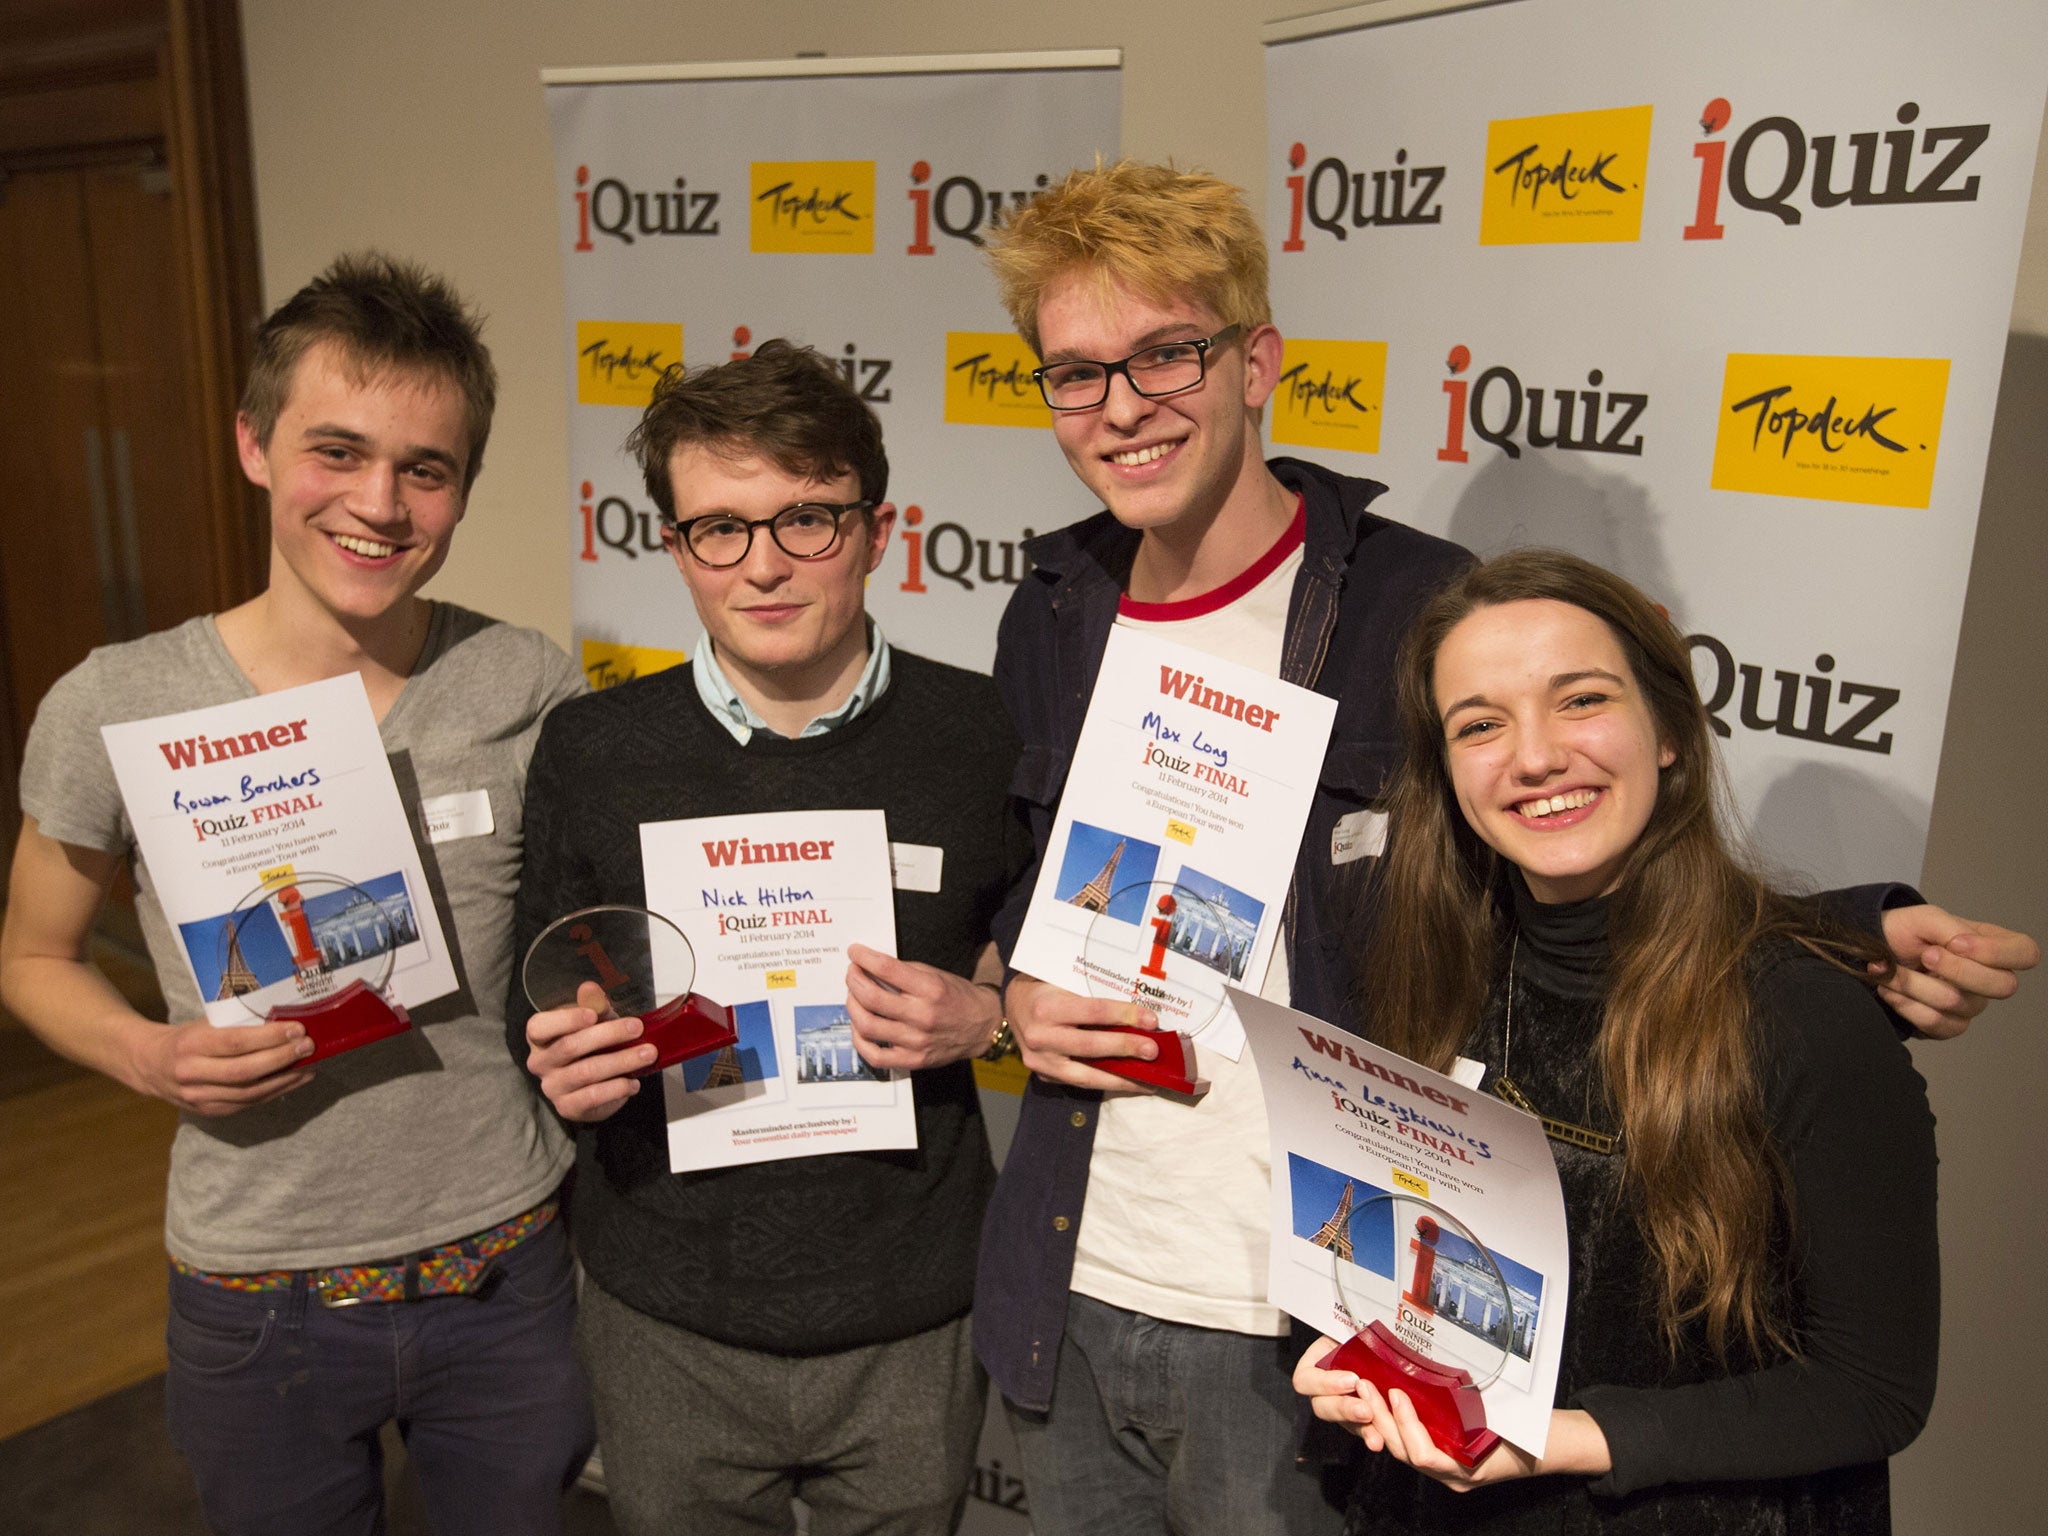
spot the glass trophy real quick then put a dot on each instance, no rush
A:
(646, 968)
(1174, 951)
(319, 951)
(1431, 1311)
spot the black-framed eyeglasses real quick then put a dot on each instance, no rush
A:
(1167, 369)
(804, 530)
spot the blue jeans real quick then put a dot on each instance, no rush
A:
(1159, 1427)
(276, 1401)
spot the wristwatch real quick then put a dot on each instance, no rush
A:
(1004, 1041)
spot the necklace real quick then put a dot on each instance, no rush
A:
(1504, 1088)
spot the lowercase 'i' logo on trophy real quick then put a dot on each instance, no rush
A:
(1442, 1335)
(335, 944)
(645, 968)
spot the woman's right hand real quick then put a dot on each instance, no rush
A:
(1334, 1396)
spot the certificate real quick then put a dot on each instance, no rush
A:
(769, 904)
(1168, 867)
(1403, 1198)
(281, 852)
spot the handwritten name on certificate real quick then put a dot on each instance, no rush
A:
(1416, 1203)
(280, 850)
(1170, 857)
(770, 903)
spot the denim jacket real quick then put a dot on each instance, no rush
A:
(1362, 579)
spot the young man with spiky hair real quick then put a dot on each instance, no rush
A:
(375, 1238)
(799, 1326)
(1121, 1302)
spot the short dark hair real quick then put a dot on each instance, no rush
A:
(786, 403)
(381, 314)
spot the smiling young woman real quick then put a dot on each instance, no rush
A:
(1746, 1151)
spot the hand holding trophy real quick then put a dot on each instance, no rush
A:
(646, 968)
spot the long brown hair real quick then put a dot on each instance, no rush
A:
(1677, 1056)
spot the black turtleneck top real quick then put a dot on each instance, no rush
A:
(1755, 1445)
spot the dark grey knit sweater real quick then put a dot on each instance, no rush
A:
(815, 1254)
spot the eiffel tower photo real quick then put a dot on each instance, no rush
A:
(235, 976)
(725, 1069)
(1335, 1234)
(1094, 896)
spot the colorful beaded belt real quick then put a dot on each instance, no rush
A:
(453, 1269)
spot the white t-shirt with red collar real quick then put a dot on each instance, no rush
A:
(1177, 1219)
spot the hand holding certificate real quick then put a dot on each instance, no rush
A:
(281, 853)
(1167, 869)
(1419, 1221)
(771, 903)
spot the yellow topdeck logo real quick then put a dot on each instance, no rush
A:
(988, 381)
(607, 664)
(1567, 177)
(814, 207)
(618, 361)
(1832, 428)
(1331, 394)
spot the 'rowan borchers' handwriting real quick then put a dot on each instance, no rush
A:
(1569, 179)
(813, 205)
(1832, 432)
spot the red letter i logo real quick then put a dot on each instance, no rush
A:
(921, 215)
(1295, 158)
(1453, 450)
(1710, 154)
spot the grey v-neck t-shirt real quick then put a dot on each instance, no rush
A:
(412, 1141)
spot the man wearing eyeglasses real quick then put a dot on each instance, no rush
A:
(1121, 1306)
(797, 1326)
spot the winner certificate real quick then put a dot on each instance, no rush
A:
(769, 904)
(1418, 1222)
(285, 862)
(1170, 857)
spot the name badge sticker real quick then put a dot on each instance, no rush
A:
(449, 818)
(916, 866)
(1361, 835)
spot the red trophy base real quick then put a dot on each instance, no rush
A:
(355, 1016)
(1445, 1399)
(690, 1026)
(1172, 1069)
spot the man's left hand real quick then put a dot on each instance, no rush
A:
(1950, 968)
(907, 1015)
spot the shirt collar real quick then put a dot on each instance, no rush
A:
(731, 711)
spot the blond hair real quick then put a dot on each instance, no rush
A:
(1163, 233)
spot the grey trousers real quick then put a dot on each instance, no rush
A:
(704, 1438)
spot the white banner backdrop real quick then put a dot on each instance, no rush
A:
(1714, 295)
(707, 208)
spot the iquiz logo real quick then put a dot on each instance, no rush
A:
(1820, 691)
(1767, 164)
(615, 523)
(1332, 197)
(959, 207)
(952, 553)
(619, 212)
(1497, 404)
(866, 376)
